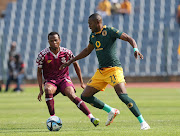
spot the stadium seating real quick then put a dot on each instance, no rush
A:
(152, 24)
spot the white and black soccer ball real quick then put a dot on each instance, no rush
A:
(54, 123)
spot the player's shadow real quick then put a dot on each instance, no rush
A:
(20, 130)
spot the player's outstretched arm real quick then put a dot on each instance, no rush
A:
(78, 72)
(39, 79)
(81, 55)
(126, 37)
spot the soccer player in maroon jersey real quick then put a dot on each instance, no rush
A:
(49, 61)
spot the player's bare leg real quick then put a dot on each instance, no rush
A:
(88, 97)
(69, 92)
(49, 91)
(122, 93)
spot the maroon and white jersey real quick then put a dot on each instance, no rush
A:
(50, 63)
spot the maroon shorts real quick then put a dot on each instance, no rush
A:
(60, 85)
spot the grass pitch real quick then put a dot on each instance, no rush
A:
(21, 114)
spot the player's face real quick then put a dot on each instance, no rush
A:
(93, 25)
(54, 41)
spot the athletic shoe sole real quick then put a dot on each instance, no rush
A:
(115, 114)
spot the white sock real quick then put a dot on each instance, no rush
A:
(90, 116)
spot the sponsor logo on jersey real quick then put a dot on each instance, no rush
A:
(98, 45)
(99, 49)
(104, 32)
(49, 61)
(69, 81)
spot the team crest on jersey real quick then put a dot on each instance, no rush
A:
(104, 32)
(49, 61)
(63, 60)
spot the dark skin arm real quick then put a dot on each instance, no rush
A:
(129, 39)
(78, 72)
(39, 79)
(81, 55)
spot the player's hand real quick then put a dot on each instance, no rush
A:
(83, 85)
(39, 96)
(137, 53)
(66, 64)
(63, 66)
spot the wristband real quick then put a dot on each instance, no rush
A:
(136, 49)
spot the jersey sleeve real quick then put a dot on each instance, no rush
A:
(39, 60)
(115, 33)
(70, 54)
(90, 39)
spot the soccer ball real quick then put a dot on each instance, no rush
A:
(54, 123)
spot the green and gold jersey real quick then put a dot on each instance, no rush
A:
(104, 43)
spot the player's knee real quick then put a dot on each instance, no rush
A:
(71, 96)
(83, 98)
(86, 99)
(48, 91)
(123, 98)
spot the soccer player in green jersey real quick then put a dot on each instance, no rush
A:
(102, 39)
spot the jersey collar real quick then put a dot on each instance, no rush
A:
(55, 55)
(100, 30)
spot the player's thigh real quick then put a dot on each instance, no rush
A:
(49, 88)
(116, 79)
(70, 92)
(89, 91)
(115, 76)
(96, 83)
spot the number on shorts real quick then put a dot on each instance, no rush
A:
(113, 78)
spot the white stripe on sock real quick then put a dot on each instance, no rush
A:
(78, 105)
(48, 99)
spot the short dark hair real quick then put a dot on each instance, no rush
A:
(95, 16)
(53, 33)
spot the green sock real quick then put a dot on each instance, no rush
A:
(107, 108)
(130, 104)
(140, 118)
(93, 101)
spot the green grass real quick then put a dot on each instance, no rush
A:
(21, 114)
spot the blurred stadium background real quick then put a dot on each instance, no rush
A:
(152, 24)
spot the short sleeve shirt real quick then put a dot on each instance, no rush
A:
(104, 43)
(50, 63)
